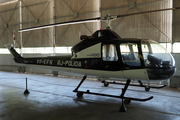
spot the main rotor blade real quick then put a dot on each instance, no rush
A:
(92, 20)
(147, 12)
(61, 24)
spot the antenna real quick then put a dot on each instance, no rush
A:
(14, 38)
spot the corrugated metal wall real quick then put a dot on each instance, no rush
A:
(176, 32)
(67, 10)
(177, 58)
(41, 12)
(176, 23)
(156, 26)
(36, 13)
(9, 21)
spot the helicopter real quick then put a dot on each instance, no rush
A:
(105, 53)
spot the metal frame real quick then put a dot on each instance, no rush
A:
(7, 23)
(135, 6)
(36, 21)
(127, 99)
(75, 15)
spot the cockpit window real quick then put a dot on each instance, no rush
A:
(129, 53)
(109, 52)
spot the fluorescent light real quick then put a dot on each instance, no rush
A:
(10, 1)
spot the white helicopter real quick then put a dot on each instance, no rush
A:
(105, 53)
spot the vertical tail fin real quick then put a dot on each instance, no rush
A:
(17, 57)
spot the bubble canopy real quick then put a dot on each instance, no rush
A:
(159, 62)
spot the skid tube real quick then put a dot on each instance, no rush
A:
(127, 100)
(115, 96)
(147, 88)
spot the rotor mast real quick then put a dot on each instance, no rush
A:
(108, 18)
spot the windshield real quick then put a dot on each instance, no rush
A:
(155, 55)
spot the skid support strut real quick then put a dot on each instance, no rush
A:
(80, 84)
(127, 100)
(123, 108)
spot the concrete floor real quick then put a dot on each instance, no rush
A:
(51, 98)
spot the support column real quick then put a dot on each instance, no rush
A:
(54, 28)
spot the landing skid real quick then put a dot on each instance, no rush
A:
(147, 88)
(125, 100)
(80, 94)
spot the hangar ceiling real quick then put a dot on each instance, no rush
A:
(30, 13)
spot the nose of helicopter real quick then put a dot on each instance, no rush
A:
(161, 73)
(161, 68)
(160, 64)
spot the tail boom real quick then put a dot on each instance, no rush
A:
(17, 56)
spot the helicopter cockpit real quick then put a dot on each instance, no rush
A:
(159, 62)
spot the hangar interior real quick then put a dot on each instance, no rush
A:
(162, 27)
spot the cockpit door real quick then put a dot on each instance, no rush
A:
(130, 54)
(111, 60)
(132, 60)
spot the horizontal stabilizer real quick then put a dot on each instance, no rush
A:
(17, 56)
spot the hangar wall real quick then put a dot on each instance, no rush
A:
(176, 24)
(156, 26)
(41, 12)
(36, 13)
(75, 10)
(9, 21)
(30, 13)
